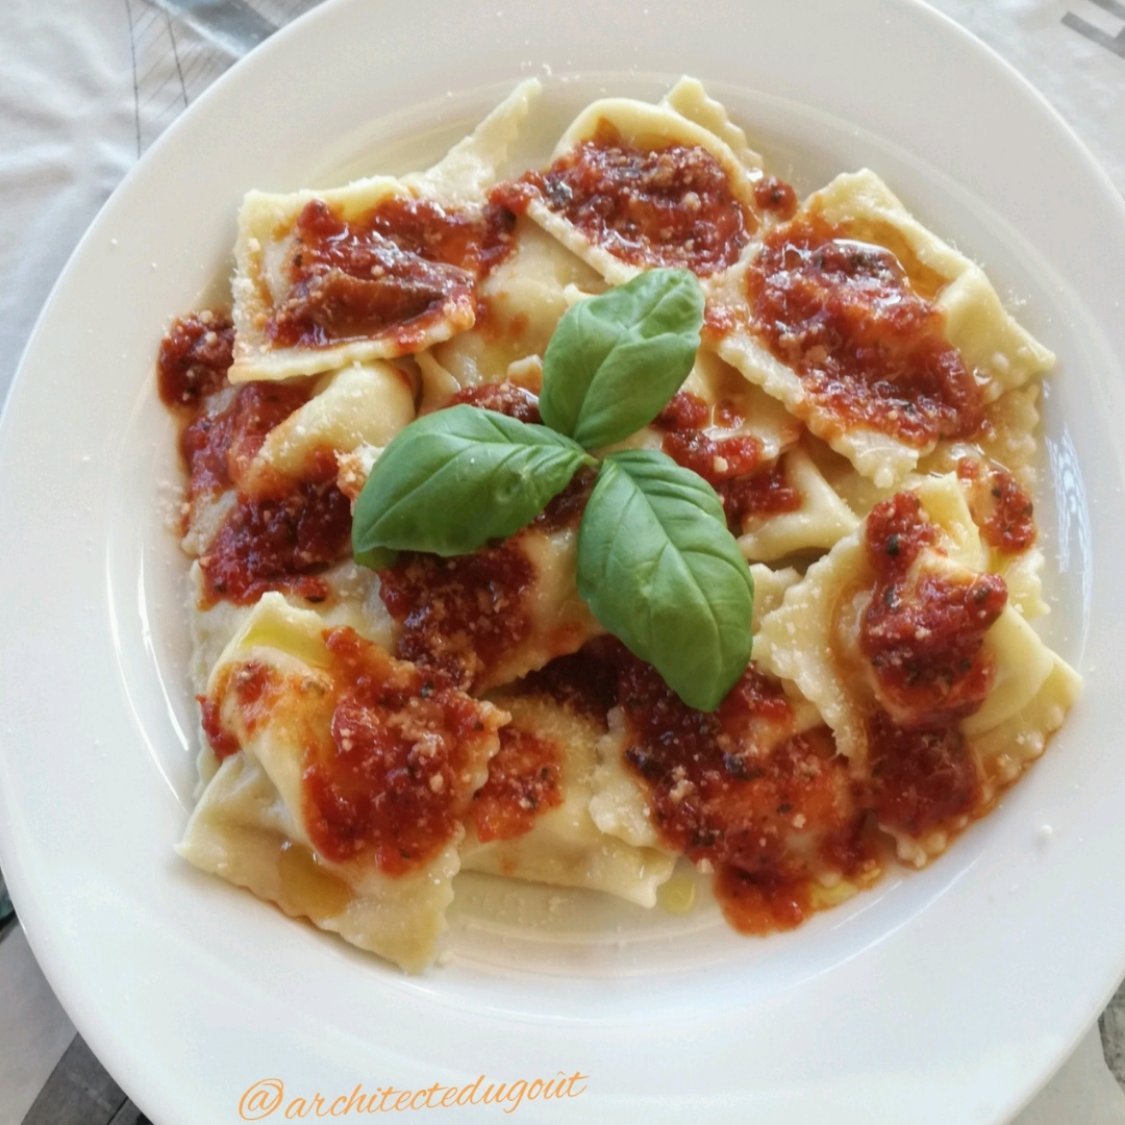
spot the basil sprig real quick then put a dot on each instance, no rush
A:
(657, 564)
(659, 569)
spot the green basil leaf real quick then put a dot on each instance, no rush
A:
(377, 558)
(615, 360)
(455, 479)
(659, 569)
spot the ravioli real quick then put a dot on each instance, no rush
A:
(634, 185)
(380, 268)
(313, 716)
(863, 405)
(531, 819)
(917, 675)
(880, 337)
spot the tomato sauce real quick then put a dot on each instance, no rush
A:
(266, 542)
(923, 635)
(1001, 508)
(920, 778)
(670, 206)
(867, 348)
(583, 682)
(732, 465)
(566, 507)
(775, 196)
(766, 492)
(278, 544)
(459, 617)
(715, 459)
(399, 267)
(505, 398)
(524, 781)
(218, 446)
(256, 689)
(923, 638)
(194, 358)
(391, 783)
(730, 788)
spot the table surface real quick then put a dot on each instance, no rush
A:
(124, 69)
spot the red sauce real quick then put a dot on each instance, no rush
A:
(720, 789)
(923, 635)
(733, 465)
(897, 532)
(669, 206)
(194, 358)
(775, 195)
(256, 689)
(523, 783)
(392, 781)
(924, 644)
(398, 267)
(269, 542)
(1001, 508)
(684, 412)
(217, 447)
(505, 398)
(715, 459)
(923, 639)
(278, 544)
(868, 350)
(765, 492)
(719, 321)
(565, 509)
(460, 617)
(223, 742)
(920, 777)
(583, 682)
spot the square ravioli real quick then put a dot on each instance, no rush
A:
(633, 185)
(937, 691)
(380, 268)
(356, 774)
(879, 336)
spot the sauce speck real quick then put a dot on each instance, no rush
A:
(776, 196)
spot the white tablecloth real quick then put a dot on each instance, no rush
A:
(87, 85)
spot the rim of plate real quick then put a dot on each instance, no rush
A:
(494, 42)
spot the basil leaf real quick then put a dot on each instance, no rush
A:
(615, 360)
(659, 569)
(452, 480)
(377, 558)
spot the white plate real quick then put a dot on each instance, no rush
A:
(943, 996)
